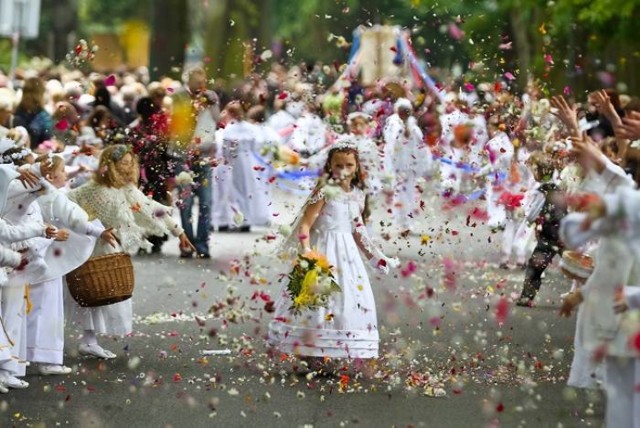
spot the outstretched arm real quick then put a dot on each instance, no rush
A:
(374, 255)
(309, 217)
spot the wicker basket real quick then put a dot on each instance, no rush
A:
(102, 280)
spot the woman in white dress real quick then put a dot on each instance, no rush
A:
(112, 197)
(331, 223)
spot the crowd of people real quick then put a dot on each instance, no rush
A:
(554, 177)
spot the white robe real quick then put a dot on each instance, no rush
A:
(603, 329)
(500, 152)
(409, 159)
(309, 134)
(282, 123)
(248, 193)
(45, 322)
(221, 213)
(608, 181)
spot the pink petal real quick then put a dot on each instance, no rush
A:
(110, 80)
(455, 32)
(509, 76)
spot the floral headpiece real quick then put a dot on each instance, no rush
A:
(12, 157)
(344, 143)
(119, 152)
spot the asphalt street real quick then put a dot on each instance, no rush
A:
(446, 322)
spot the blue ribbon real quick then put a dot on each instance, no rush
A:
(355, 46)
(460, 165)
(285, 175)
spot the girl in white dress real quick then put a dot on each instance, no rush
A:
(331, 223)
(112, 197)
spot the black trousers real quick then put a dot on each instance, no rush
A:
(541, 258)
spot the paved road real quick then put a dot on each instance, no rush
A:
(510, 374)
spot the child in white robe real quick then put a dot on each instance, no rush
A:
(8, 259)
(20, 207)
(114, 198)
(309, 133)
(240, 141)
(600, 176)
(10, 234)
(45, 320)
(610, 301)
(406, 155)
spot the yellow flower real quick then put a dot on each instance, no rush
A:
(309, 281)
(319, 258)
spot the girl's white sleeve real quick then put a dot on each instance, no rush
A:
(172, 226)
(615, 176)
(21, 232)
(9, 258)
(59, 210)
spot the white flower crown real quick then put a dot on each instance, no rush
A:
(344, 143)
(16, 156)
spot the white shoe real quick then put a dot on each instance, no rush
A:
(14, 382)
(54, 369)
(3, 389)
(95, 350)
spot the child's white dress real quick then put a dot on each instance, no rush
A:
(348, 327)
(133, 216)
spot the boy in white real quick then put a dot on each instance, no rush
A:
(407, 158)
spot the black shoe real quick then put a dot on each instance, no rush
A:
(223, 228)
(203, 256)
(186, 254)
(524, 302)
(504, 266)
(245, 228)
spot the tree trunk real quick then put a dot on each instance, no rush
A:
(169, 36)
(522, 46)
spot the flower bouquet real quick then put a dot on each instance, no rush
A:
(311, 282)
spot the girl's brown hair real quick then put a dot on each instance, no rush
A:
(108, 174)
(32, 95)
(359, 176)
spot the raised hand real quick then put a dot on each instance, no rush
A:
(603, 104)
(28, 178)
(630, 127)
(567, 114)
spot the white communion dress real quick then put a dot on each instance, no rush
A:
(348, 326)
